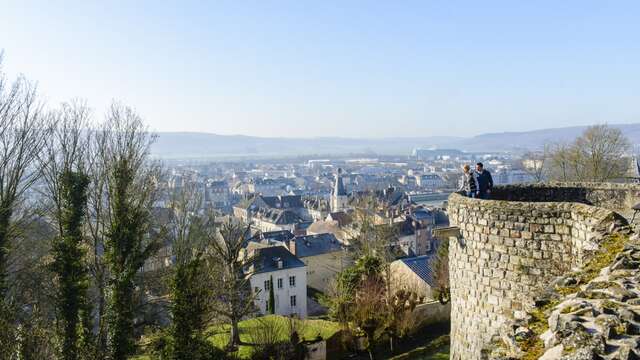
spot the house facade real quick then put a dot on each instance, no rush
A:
(273, 213)
(275, 267)
(414, 274)
(324, 257)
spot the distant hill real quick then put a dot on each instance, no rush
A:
(531, 140)
(205, 145)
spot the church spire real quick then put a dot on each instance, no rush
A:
(339, 194)
(338, 189)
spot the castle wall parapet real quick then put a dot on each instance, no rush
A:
(509, 248)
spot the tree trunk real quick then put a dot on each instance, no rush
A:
(234, 339)
(5, 217)
(120, 319)
(370, 333)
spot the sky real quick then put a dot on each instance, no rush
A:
(335, 68)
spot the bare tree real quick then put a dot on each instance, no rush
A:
(368, 238)
(400, 319)
(601, 152)
(598, 155)
(534, 163)
(369, 313)
(65, 149)
(186, 226)
(97, 226)
(562, 162)
(22, 132)
(232, 288)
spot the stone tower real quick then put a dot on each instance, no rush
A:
(339, 194)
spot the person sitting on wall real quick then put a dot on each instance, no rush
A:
(469, 183)
(485, 181)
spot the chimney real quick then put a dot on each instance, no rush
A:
(292, 246)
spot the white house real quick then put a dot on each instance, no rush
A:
(278, 268)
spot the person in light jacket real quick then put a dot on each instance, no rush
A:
(469, 182)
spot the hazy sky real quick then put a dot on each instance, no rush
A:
(335, 68)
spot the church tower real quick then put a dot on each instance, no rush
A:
(339, 194)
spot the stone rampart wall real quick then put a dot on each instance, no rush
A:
(613, 196)
(509, 249)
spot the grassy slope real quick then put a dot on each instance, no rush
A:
(310, 329)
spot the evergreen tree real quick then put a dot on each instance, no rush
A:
(64, 173)
(271, 308)
(69, 264)
(130, 188)
(190, 297)
(190, 280)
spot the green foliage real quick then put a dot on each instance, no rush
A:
(163, 347)
(365, 300)
(125, 253)
(609, 249)
(37, 338)
(70, 268)
(190, 309)
(8, 331)
(442, 290)
(342, 303)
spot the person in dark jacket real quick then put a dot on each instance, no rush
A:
(485, 181)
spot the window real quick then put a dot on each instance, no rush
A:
(267, 285)
(280, 283)
(292, 281)
(293, 301)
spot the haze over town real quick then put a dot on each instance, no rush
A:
(297, 180)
